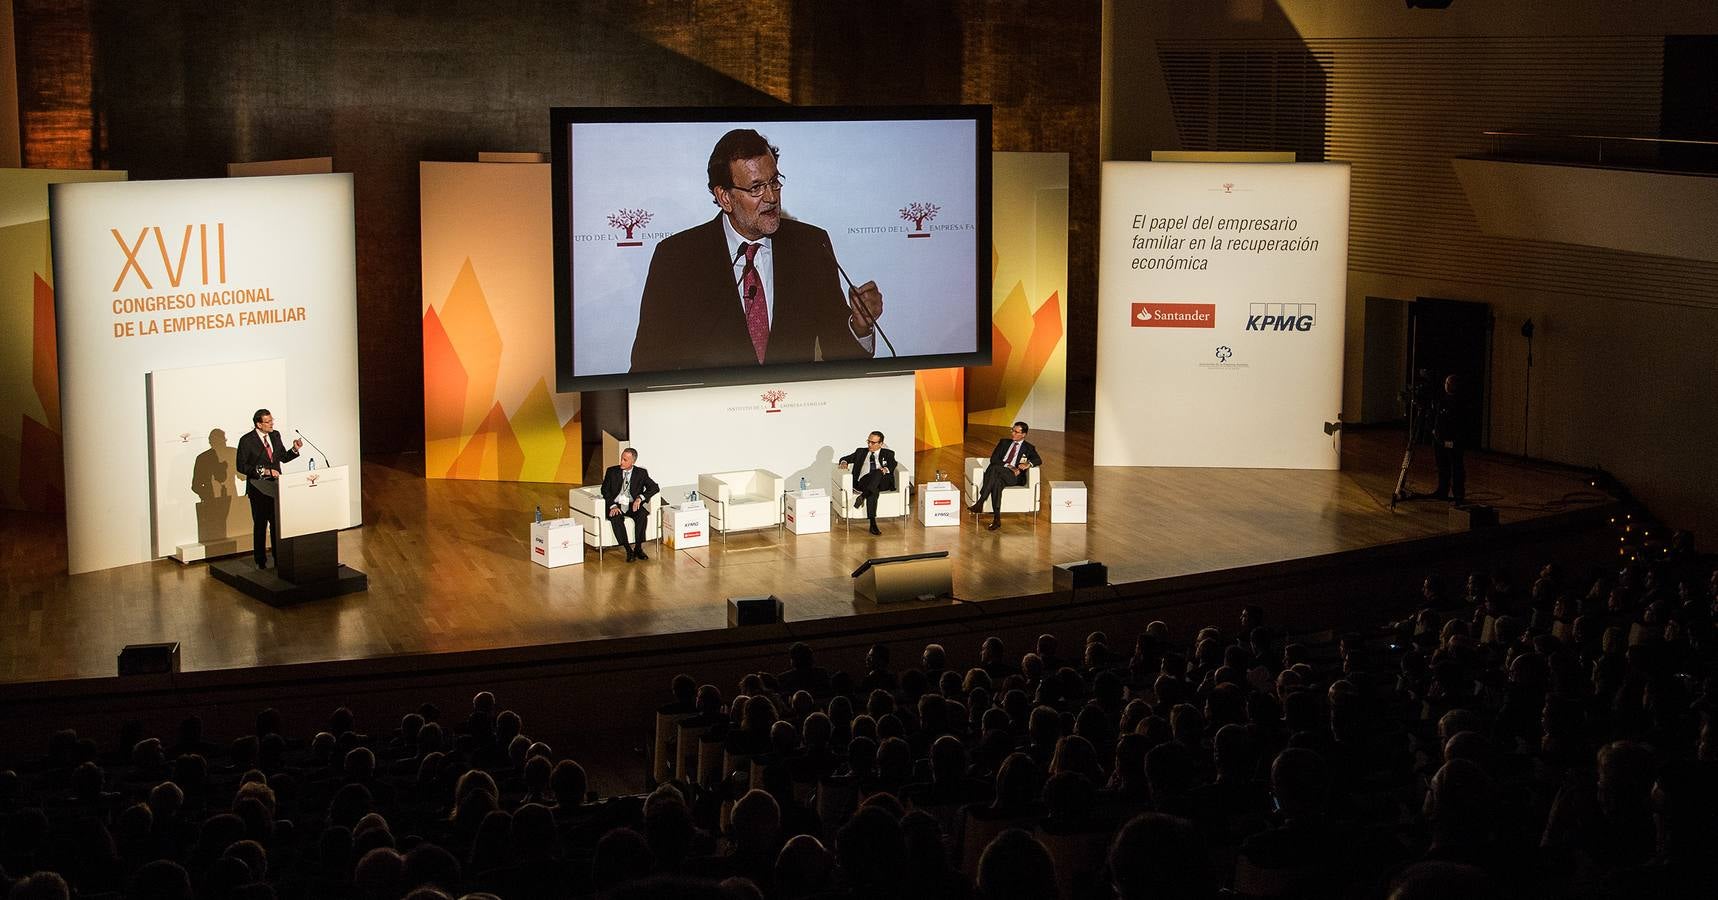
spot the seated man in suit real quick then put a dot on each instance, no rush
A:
(626, 492)
(261, 453)
(873, 473)
(1008, 464)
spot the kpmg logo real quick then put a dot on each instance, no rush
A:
(1276, 316)
(1174, 315)
(773, 396)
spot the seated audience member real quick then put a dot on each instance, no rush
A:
(1159, 857)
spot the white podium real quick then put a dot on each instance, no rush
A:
(939, 504)
(807, 512)
(685, 526)
(1067, 501)
(557, 542)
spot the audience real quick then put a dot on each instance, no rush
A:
(1495, 744)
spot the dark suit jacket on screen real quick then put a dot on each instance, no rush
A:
(691, 316)
(251, 457)
(642, 487)
(885, 459)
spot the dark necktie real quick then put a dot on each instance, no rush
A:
(1013, 455)
(757, 306)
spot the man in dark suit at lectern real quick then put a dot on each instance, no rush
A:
(626, 493)
(1013, 456)
(873, 468)
(261, 454)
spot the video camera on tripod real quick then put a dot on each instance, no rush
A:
(1419, 400)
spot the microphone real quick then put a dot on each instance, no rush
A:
(869, 319)
(325, 460)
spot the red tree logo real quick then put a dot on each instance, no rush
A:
(311, 478)
(629, 220)
(919, 214)
(184, 437)
(772, 397)
(1228, 188)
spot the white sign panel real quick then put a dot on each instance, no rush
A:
(172, 274)
(794, 429)
(1221, 292)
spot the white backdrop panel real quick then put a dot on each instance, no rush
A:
(680, 434)
(159, 274)
(194, 430)
(1221, 289)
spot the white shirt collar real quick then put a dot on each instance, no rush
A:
(735, 240)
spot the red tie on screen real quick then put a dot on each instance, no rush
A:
(757, 308)
(1013, 455)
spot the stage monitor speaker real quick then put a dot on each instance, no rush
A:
(754, 610)
(149, 659)
(897, 579)
(1085, 573)
(1479, 517)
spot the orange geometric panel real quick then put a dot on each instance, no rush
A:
(941, 419)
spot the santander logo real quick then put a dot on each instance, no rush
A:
(1174, 315)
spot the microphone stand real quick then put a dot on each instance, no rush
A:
(313, 446)
(869, 319)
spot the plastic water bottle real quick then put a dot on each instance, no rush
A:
(313, 464)
(802, 484)
(539, 512)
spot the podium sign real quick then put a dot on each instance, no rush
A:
(807, 512)
(939, 504)
(314, 501)
(686, 526)
(556, 543)
(1067, 501)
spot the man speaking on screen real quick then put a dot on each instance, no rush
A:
(750, 286)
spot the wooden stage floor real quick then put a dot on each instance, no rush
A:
(449, 570)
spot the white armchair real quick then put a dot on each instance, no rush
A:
(890, 504)
(740, 501)
(586, 505)
(1019, 499)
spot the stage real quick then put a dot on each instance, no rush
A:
(449, 568)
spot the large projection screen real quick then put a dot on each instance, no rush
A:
(1221, 293)
(171, 274)
(650, 283)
